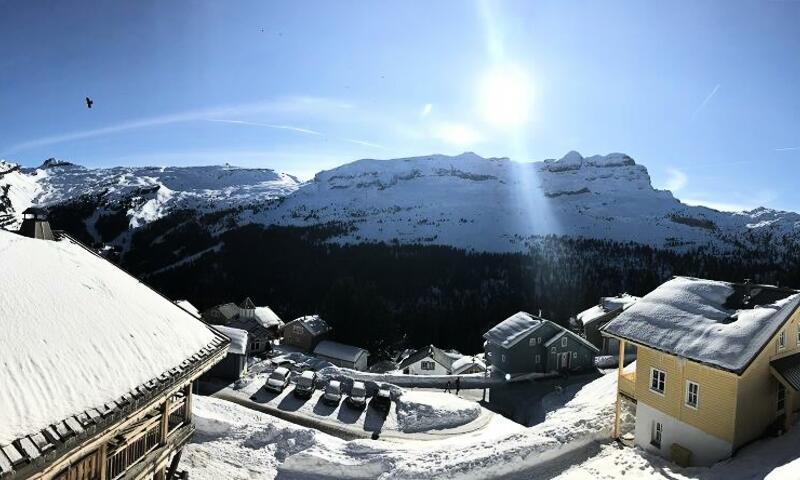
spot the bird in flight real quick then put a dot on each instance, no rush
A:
(89, 102)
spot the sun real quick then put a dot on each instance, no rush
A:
(505, 96)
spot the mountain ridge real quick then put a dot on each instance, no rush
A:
(466, 201)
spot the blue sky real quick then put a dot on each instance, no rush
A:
(704, 93)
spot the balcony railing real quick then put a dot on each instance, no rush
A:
(627, 384)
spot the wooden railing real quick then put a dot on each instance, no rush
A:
(627, 384)
(126, 454)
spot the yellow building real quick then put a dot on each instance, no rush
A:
(718, 366)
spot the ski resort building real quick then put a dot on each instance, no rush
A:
(524, 343)
(261, 323)
(97, 368)
(718, 366)
(591, 320)
(306, 332)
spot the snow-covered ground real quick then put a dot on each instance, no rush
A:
(503, 448)
(423, 411)
(236, 443)
(773, 459)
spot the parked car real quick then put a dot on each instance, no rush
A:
(382, 400)
(278, 380)
(358, 395)
(333, 393)
(305, 384)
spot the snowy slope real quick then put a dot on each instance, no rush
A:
(78, 332)
(466, 201)
(496, 204)
(145, 193)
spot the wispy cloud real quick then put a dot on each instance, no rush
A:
(363, 143)
(266, 125)
(787, 149)
(426, 110)
(677, 180)
(705, 101)
(308, 105)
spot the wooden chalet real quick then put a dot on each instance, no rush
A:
(98, 368)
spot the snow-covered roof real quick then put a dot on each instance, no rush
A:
(436, 354)
(314, 323)
(607, 305)
(238, 339)
(513, 329)
(339, 351)
(78, 332)
(466, 362)
(721, 324)
(267, 317)
(575, 337)
(186, 305)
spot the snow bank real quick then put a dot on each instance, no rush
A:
(586, 418)
(424, 411)
(78, 332)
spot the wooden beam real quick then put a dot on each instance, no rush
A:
(618, 406)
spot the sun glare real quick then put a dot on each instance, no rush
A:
(505, 96)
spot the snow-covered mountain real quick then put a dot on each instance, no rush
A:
(496, 204)
(145, 194)
(466, 201)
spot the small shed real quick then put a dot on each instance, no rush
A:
(306, 332)
(342, 355)
(234, 365)
(468, 364)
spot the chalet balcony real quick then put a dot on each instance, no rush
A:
(627, 384)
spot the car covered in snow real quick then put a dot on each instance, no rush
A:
(382, 400)
(305, 384)
(278, 380)
(358, 395)
(333, 393)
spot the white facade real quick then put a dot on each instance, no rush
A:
(706, 449)
(432, 367)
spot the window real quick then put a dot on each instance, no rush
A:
(539, 339)
(655, 436)
(574, 354)
(428, 365)
(531, 341)
(553, 350)
(538, 359)
(781, 406)
(503, 358)
(658, 380)
(297, 329)
(782, 339)
(798, 334)
(563, 341)
(692, 394)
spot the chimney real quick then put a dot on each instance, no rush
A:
(35, 224)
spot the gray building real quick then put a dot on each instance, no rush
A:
(306, 332)
(234, 365)
(342, 355)
(261, 323)
(592, 319)
(524, 343)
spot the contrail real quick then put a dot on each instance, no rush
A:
(705, 102)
